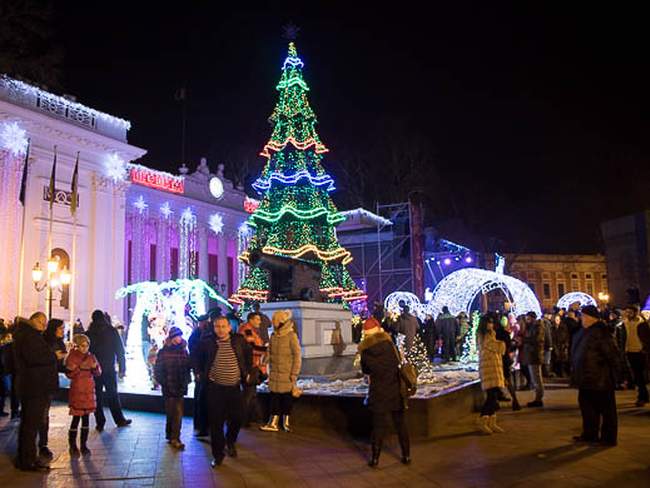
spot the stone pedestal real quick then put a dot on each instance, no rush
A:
(316, 323)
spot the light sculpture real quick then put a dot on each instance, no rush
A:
(576, 296)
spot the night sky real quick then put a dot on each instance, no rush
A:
(533, 119)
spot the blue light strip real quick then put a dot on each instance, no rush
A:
(293, 62)
(261, 184)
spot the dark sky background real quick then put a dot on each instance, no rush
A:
(535, 117)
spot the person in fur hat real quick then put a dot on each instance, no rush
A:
(82, 368)
(172, 372)
(380, 361)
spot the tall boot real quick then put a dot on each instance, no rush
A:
(405, 446)
(376, 451)
(483, 424)
(271, 425)
(84, 439)
(492, 424)
(286, 426)
(72, 441)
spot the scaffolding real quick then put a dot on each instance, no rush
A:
(381, 246)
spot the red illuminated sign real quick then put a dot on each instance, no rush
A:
(157, 179)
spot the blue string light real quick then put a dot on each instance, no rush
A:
(263, 184)
(293, 62)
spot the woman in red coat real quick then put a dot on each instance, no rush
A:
(81, 368)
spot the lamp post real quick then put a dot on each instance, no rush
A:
(55, 279)
(603, 297)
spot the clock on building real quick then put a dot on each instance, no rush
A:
(216, 187)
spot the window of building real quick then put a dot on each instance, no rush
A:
(589, 276)
(574, 276)
(575, 285)
(547, 290)
(152, 262)
(173, 265)
(561, 291)
(590, 289)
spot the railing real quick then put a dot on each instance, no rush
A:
(21, 93)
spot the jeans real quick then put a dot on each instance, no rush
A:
(174, 412)
(595, 405)
(535, 371)
(225, 406)
(491, 402)
(31, 419)
(281, 403)
(107, 380)
(639, 364)
(381, 424)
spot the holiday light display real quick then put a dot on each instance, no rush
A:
(187, 244)
(140, 204)
(418, 357)
(296, 216)
(394, 302)
(459, 289)
(13, 138)
(166, 210)
(216, 223)
(152, 178)
(470, 352)
(576, 296)
(115, 167)
(171, 303)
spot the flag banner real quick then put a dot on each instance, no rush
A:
(74, 187)
(52, 181)
(23, 181)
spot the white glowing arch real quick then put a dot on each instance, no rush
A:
(392, 303)
(576, 296)
(459, 289)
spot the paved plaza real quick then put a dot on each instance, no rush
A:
(536, 450)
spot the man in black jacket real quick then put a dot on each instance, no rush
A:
(223, 361)
(106, 345)
(36, 380)
(595, 360)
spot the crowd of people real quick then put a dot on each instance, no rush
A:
(228, 360)
(600, 351)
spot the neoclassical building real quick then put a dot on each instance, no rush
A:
(132, 223)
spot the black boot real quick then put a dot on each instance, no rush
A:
(84, 439)
(72, 441)
(376, 451)
(405, 446)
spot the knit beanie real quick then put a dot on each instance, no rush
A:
(370, 323)
(174, 332)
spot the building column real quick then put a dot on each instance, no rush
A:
(203, 254)
(160, 273)
(222, 268)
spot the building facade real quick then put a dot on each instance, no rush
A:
(132, 223)
(551, 276)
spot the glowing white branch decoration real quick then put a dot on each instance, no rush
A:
(115, 167)
(13, 138)
(576, 296)
(216, 223)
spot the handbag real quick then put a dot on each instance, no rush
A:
(408, 376)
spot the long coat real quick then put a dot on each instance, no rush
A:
(34, 363)
(561, 339)
(106, 345)
(533, 349)
(284, 359)
(172, 370)
(379, 361)
(81, 369)
(595, 359)
(490, 366)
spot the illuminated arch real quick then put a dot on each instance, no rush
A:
(576, 296)
(459, 289)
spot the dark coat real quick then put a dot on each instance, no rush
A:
(207, 351)
(106, 345)
(58, 345)
(82, 369)
(448, 326)
(533, 349)
(172, 370)
(379, 361)
(560, 342)
(504, 336)
(594, 357)
(35, 363)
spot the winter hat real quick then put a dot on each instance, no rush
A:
(174, 332)
(370, 323)
(591, 311)
(531, 314)
(280, 317)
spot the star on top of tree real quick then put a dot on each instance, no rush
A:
(290, 31)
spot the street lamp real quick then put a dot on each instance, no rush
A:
(55, 279)
(603, 297)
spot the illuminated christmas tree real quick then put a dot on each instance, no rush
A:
(470, 353)
(296, 217)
